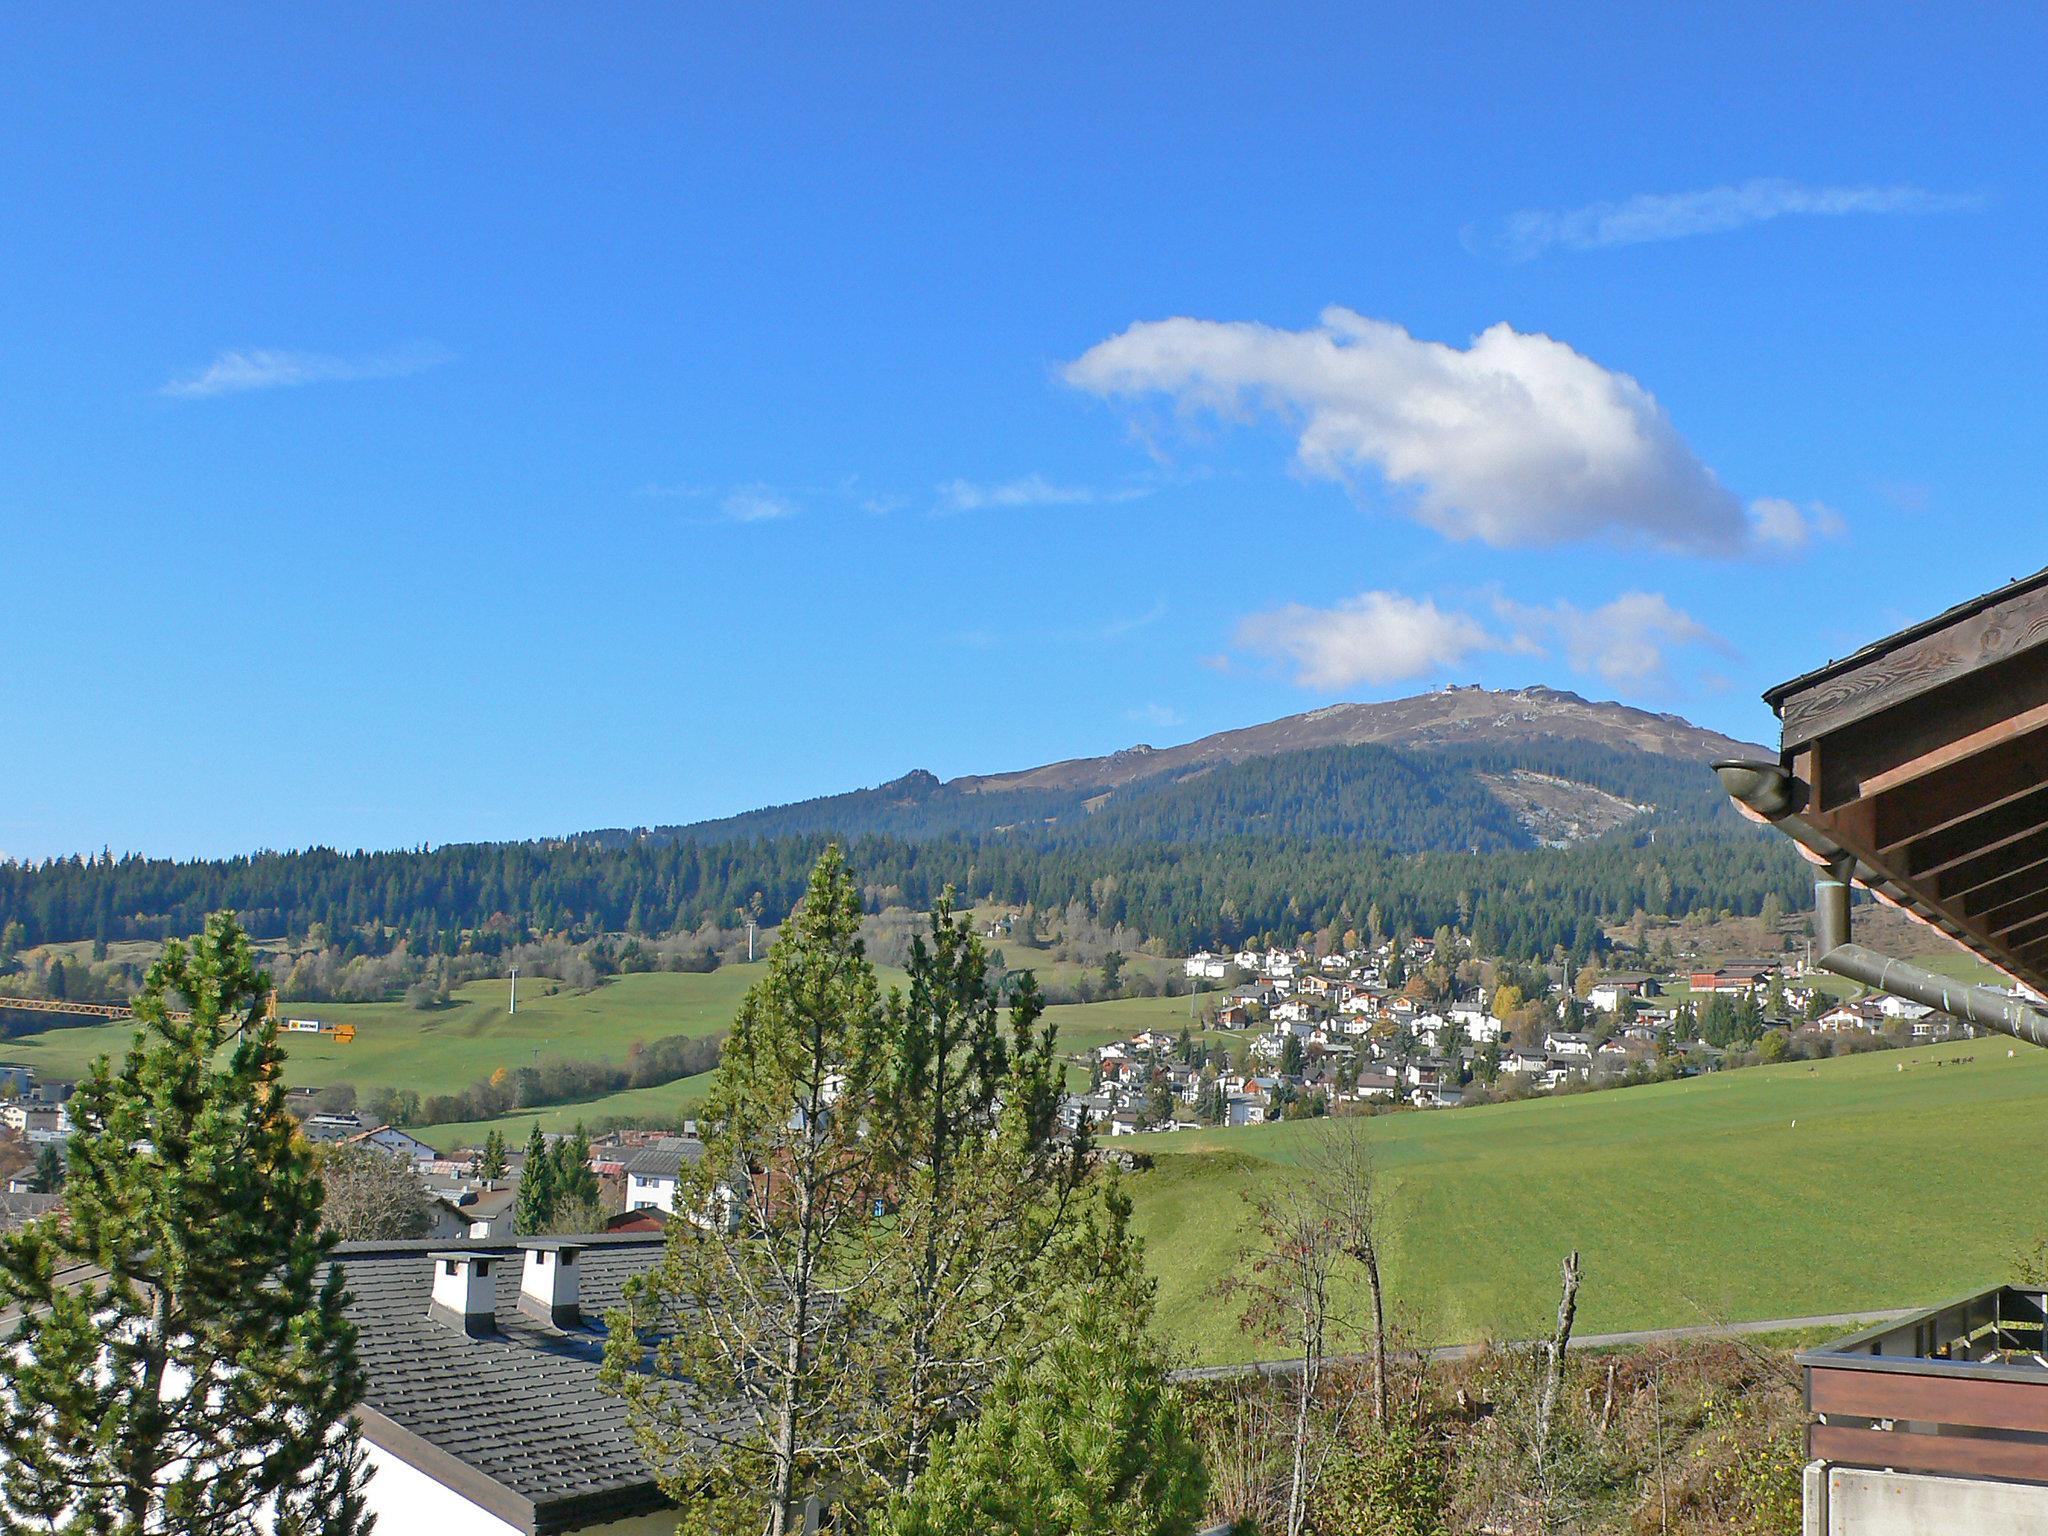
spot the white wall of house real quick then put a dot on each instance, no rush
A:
(1842, 1501)
(642, 1193)
(407, 1502)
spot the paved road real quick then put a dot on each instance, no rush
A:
(1846, 1321)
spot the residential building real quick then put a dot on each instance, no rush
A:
(483, 1414)
(654, 1173)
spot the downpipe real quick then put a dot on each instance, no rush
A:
(1767, 792)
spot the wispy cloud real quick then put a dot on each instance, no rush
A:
(1649, 216)
(750, 503)
(238, 372)
(755, 504)
(1390, 637)
(1032, 490)
(1376, 637)
(1627, 642)
(1789, 526)
(1116, 629)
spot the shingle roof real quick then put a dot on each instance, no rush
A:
(522, 1410)
(16, 1209)
(664, 1159)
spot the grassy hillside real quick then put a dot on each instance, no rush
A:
(1881, 1180)
(1082, 1027)
(438, 1050)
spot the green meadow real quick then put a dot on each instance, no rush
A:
(1880, 1180)
(439, 1050)
(1884, 1180)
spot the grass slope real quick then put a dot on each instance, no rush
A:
(1777, 1191)
(439, 1050)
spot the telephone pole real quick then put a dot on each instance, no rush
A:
(513, 1004)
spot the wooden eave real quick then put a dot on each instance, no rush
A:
(1925, 756)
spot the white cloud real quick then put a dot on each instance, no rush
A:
(1376, 637)
(755, 504)
(1516, 440)
(1709, 210)
(1028, 491)
(238, 372)
(1787, 525)
(1387, 637)
(1627, 642)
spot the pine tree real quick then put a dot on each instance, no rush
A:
(1083, 1436)
(490, 1163)
(49, 1170)
(966, 1119)
(534, 1206)
(200, 1379)
(758, 1391)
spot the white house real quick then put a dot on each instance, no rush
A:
(1203, 966)
(1247, 1109)
(36, 1122)
(483, 1414)
(1569, 1045)
(388, 1138)
(654, 1173)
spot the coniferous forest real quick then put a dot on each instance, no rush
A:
(1271, 846)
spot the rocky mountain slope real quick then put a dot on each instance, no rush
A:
(1459, 768)
(1448, 717)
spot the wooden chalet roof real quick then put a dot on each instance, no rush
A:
(1925, 756)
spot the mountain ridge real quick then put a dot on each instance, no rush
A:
(1453, 715)
(1563, 766)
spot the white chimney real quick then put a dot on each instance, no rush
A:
(550, 1287)
(465, 1294)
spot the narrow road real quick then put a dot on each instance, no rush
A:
(1846, 1321)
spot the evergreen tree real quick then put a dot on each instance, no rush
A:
(533, 1208)
(490, 1163)
(574, 1195)
(759, 1388)
(49, 1170)
(1083, 1436)
(966, 1117)
(197, 1376)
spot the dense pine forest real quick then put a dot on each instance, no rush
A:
(1271, 846)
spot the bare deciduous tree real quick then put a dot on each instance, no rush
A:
(1344, 1179)
(371, 1194)
(1283, 1282)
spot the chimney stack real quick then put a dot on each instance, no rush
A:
(550, 1288)
(465, 1293)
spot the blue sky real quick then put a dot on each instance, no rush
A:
(435, 423)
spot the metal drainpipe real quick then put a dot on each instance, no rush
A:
(1770, 792)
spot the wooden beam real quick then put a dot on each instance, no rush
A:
(1929, 1399)
(1960, 790)
(1937, 729)
(2022, 932)
(2023, 816)
(1970, 876)
(1915, 666)
(2013, 914)
(1990, 899)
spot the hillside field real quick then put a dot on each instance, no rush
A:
(439, 1050)
(1882, 1180)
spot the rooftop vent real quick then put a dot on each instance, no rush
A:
(465, 1293)
(550, 1287)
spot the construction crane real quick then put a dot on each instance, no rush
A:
(341, 1034)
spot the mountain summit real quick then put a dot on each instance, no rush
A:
(1461, 768)
(1453, 716)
